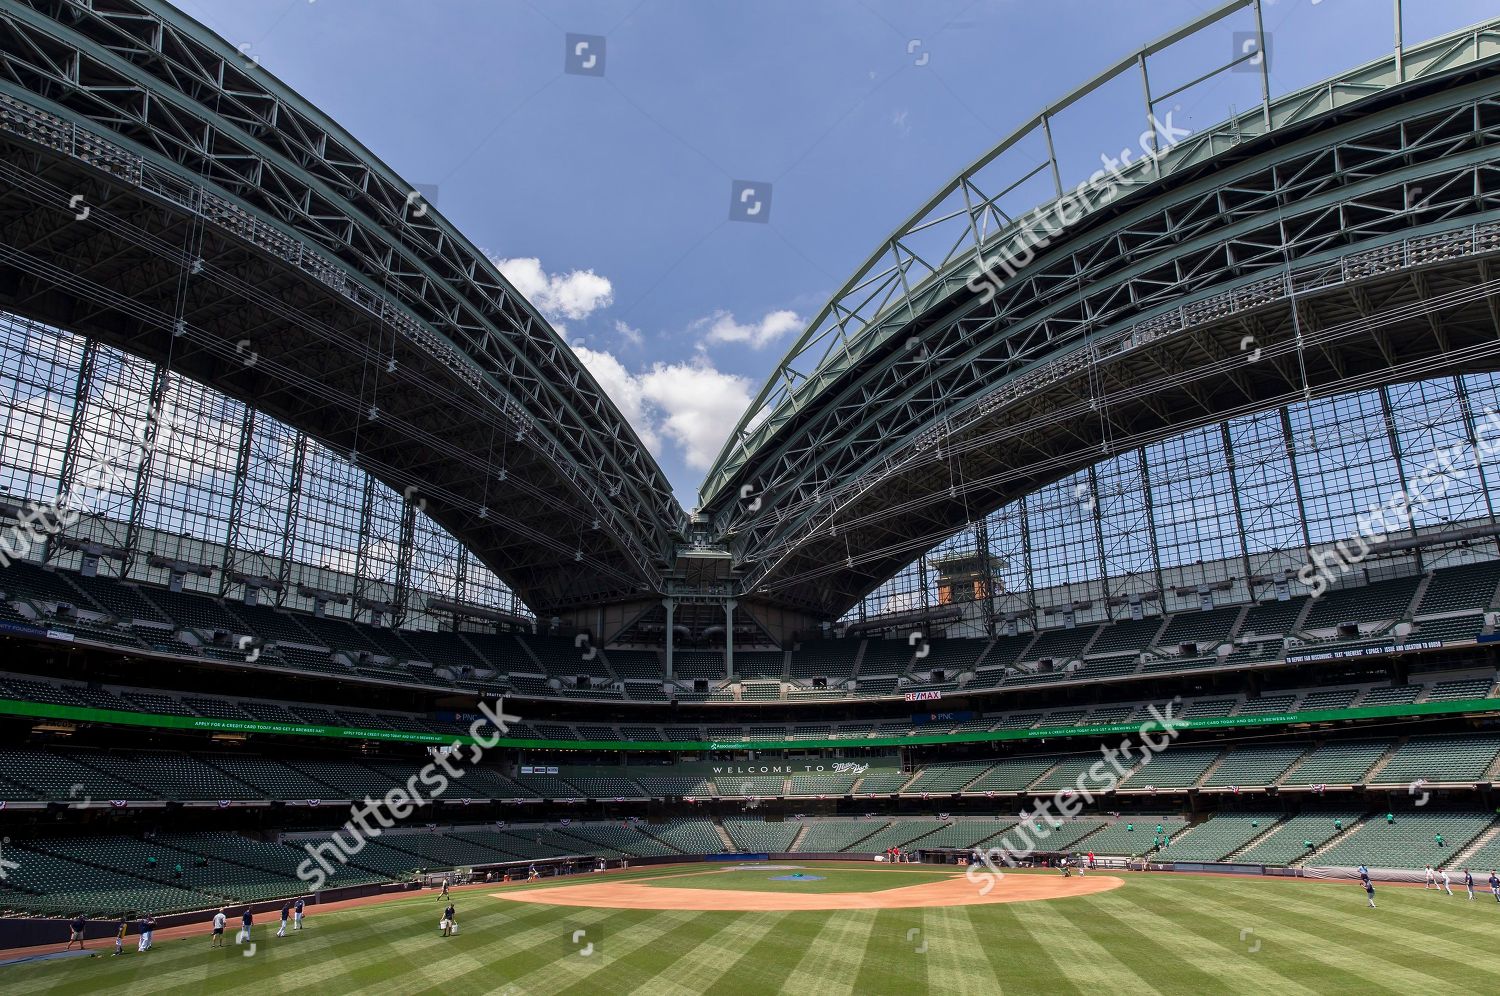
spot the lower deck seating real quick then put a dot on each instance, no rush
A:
(1137, 836)
(902, 834)
(831, 836)
(1294, 838)
(1219, 836)
(688, 836)
(760, 836)
(1409, 841)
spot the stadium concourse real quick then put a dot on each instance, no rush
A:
(1104, 524)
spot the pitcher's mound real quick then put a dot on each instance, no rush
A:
(956, 891)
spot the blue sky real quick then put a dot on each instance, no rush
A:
(607, 197)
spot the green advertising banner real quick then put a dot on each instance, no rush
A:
(82, 714)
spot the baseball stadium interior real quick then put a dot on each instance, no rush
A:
(293, 482)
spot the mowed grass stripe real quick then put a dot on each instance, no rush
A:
(956, 962)
(186, 965)
(659, 953)
(835, 955)
(1196, 941)
(384, 946)
(545, 958)
(713, 958)
(1280, 941)
(765, 965)
(490, 963)
(1014, 952)
(1236, 939)
(890, 960)
(1060, 925)
(1331, 936)
(379, 946)
(623, 943)
(1188, 965)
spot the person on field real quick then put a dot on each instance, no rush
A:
(75, 932)
(297, 915)
(120, 931)
(1364, 880)
(449, 918)
(286, 916)
(217, 940)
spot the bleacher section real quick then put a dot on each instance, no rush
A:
(1383, 601)
(760, 836)
(902, 834)
(1119, 838)
(1410, 841)
(688, 836)
(1287, 841)
(1461, 760)
(1012, 775)
(1217, 837)
(1338, 763)
(944, 779)
(831, 836)
(550, 666)
(1258, 765)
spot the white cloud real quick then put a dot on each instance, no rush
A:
(722, 327)
(575, 294)
(625, 390)
(631, 335)
(690, 405)
(700, 406)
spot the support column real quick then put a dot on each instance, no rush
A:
(237, 500)
(729, 637)
(289, 524)
(1231, 465)
(82, 389)
(148, 443)
(671, 607)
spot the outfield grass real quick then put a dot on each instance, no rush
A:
(830, 880)
(1159, 933)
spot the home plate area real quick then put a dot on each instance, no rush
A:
(736, 889)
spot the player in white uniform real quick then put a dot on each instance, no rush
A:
(1431, 879)
(1447, 884)
(219, 920)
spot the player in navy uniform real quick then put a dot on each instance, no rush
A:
(247, 920)
(1364, 880)
(1469, 883)
(448, 920)
(297, 915)
(75, 932)
(1495, 885)
(286, 914)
